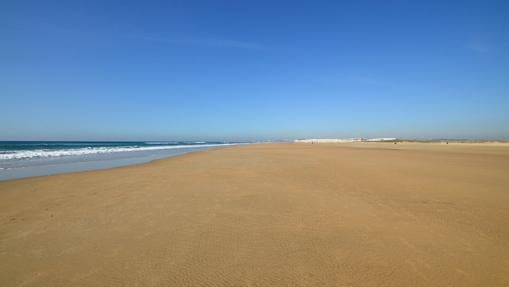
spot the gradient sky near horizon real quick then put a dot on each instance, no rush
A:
(247, 70)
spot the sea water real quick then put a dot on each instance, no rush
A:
(20, 159)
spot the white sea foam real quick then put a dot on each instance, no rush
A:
(28, 154)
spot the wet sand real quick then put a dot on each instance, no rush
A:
(372, 214)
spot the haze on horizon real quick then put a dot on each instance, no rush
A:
(243, 70)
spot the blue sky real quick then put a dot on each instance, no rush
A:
(240, 70)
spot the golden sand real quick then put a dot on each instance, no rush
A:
(267, 215)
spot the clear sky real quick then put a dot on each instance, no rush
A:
(238, 70)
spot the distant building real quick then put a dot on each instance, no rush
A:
(381, 140)
(349, 140)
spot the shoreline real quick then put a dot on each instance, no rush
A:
(102, 162)
(366, 144)
(266, 215)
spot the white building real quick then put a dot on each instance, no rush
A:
(343, 140)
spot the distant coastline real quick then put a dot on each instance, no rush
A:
(396, 140)
(346, 140)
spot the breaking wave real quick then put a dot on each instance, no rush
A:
(41, 153)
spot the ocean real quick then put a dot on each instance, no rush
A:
(20, 159)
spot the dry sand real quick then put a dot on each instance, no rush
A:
(267, 215)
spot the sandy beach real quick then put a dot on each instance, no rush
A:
(365, 214)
